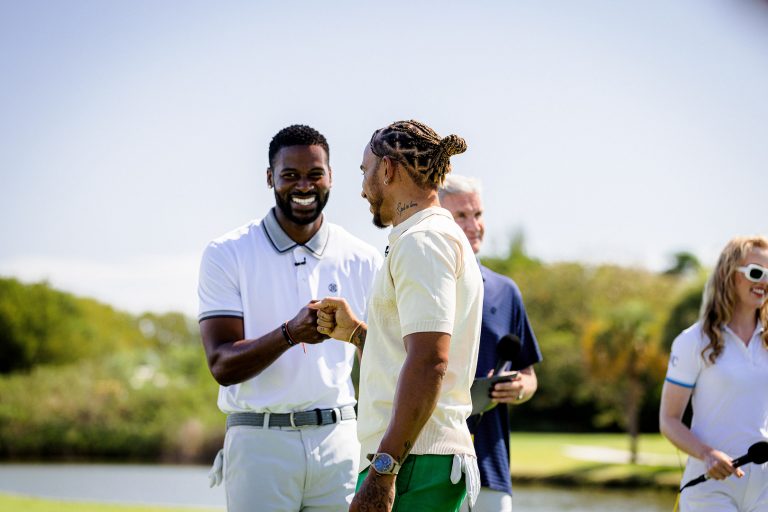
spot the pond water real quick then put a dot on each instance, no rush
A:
(188, 486)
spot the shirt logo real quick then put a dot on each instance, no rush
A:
(333, 288)
(673, 360)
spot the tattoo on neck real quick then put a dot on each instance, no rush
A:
(402, 207)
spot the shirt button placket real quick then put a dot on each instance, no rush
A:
(302, 272)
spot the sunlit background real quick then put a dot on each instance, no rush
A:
(131, 133)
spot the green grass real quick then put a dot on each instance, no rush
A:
(15, 503)
(543, 458)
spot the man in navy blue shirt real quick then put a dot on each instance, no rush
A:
(503, 313)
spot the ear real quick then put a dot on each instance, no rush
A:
(330, 176)
(390, 169)
(270, 183)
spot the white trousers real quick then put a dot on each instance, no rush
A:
(746, 494)
(490, 501)
(285, 469)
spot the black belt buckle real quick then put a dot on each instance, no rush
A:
(319, 414)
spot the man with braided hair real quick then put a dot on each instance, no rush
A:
(419, 347)
(286, 389)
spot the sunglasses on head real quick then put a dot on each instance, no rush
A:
(754, 272)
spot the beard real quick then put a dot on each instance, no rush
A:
(285, 206)
(376, 199)
(377, 218)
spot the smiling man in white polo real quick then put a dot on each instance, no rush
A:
(286, 389)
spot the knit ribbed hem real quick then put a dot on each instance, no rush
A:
(433, 440)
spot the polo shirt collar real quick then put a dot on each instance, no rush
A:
(283, 243)
(756, 333)
(414, 219)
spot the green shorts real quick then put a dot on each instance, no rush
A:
(424, 484)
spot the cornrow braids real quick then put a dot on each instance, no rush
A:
(424, 154)
(297, 135)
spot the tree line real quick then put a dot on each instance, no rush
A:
(81, 379)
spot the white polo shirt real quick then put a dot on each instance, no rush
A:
(259, 274)
(430, 282)
(730, 397)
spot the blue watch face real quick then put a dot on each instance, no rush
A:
(383, 463)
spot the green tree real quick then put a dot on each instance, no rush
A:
(684, 263)
(684, 313)
(623, 357)
(41, 325)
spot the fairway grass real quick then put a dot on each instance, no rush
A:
(15, 503)
(594, 459)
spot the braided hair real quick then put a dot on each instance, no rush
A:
(296, 135)
(424, 154)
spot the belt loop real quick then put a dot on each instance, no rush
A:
(266, 420)
(293, 423)
(336, 415)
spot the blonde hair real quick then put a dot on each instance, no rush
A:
(720, 296)
(424, 154)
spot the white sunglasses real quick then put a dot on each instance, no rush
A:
(754, 272)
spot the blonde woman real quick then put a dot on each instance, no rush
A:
(721, 365)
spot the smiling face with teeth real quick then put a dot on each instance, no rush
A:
(301, 178)
(749, 294)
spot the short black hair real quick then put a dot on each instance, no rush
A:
(297, 135)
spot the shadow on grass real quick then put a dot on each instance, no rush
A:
(612, 476)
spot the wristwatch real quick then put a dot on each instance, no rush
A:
(384, 463)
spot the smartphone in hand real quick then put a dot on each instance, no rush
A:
(481, 391)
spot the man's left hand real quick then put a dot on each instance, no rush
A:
(376, 494)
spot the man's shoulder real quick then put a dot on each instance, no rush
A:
(500, 281)
(436, 228)
(235, 238)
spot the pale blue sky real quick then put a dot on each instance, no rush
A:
(133, 132)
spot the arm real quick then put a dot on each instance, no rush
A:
(336, 320)
(425, 365)
(233, 359)
(523, 386)
(674, 399)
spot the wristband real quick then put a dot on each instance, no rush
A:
(353, 332)
(286, 334)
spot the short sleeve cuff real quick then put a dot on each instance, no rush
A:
(219, 313)
(680, 383)
(445, 326)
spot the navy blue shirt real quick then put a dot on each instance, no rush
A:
(503, 313)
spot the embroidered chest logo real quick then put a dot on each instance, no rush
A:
(333, 288)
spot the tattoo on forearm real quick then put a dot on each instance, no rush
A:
(406, 450)
(358, 339)
(402, 207)
(375, 496)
